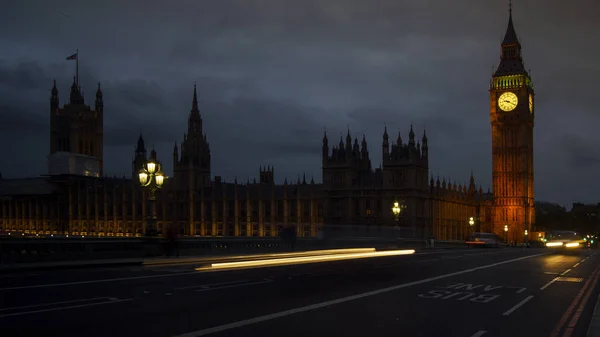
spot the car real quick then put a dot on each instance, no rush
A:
(480, 239)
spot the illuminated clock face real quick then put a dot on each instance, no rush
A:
(508, 101)
(530, 103)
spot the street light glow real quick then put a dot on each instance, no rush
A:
(160, 178)
(151, 166)
(143, 177)
(471, 221)
(396, 209)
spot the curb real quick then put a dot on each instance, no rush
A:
(594, 327)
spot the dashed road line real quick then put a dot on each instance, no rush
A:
(549, 283)
(517, 306)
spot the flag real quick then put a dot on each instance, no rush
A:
(72, 57)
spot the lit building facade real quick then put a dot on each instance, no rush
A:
(352, 192)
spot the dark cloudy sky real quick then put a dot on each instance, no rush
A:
(272, 74)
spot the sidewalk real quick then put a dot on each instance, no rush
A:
(53, 265)
(594, 328)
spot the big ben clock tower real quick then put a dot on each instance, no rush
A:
(512, 113)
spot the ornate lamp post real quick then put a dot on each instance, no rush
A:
(152, 178)
(505, 233)
(397, 208)
(471, 224)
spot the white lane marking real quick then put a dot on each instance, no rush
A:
(97, 281)
(236, 285)
(565, 272)
(430, 260)
(576, 264)
(52, 303)
(479, 333)
(517, 306)
(212, 285)
(548, 284)
(289, 312)
(64, 308)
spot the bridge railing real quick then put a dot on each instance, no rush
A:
(59, 248)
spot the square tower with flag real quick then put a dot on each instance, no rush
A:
(76, 131)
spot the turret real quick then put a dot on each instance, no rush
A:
(364, 152)
(425, 146)
(411, 137)
(267, 175)
(325, 150)
(139, 158)
(194, 120)
(76, 97)
(99, 100)
(348, 144)
(54, 101)
(385, 145)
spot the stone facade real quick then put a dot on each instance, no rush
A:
(352, 192)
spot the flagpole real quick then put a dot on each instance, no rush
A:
(77, 67)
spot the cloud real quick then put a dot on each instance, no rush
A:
(271, 75)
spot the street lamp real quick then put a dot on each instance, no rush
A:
(471, 224)
(396, 209)
(526, 238)
(506, 233)
(152, 178)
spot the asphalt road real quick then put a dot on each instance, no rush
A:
(466, 293)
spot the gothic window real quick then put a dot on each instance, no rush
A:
(231, 210)
(306, 210)
(219, 210)
(293, 209)
(267, 210)
(280, 209)
(255, 206)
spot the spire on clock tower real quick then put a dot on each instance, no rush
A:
(510, 38)
(511, 61)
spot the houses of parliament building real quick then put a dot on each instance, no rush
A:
(77, 198)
